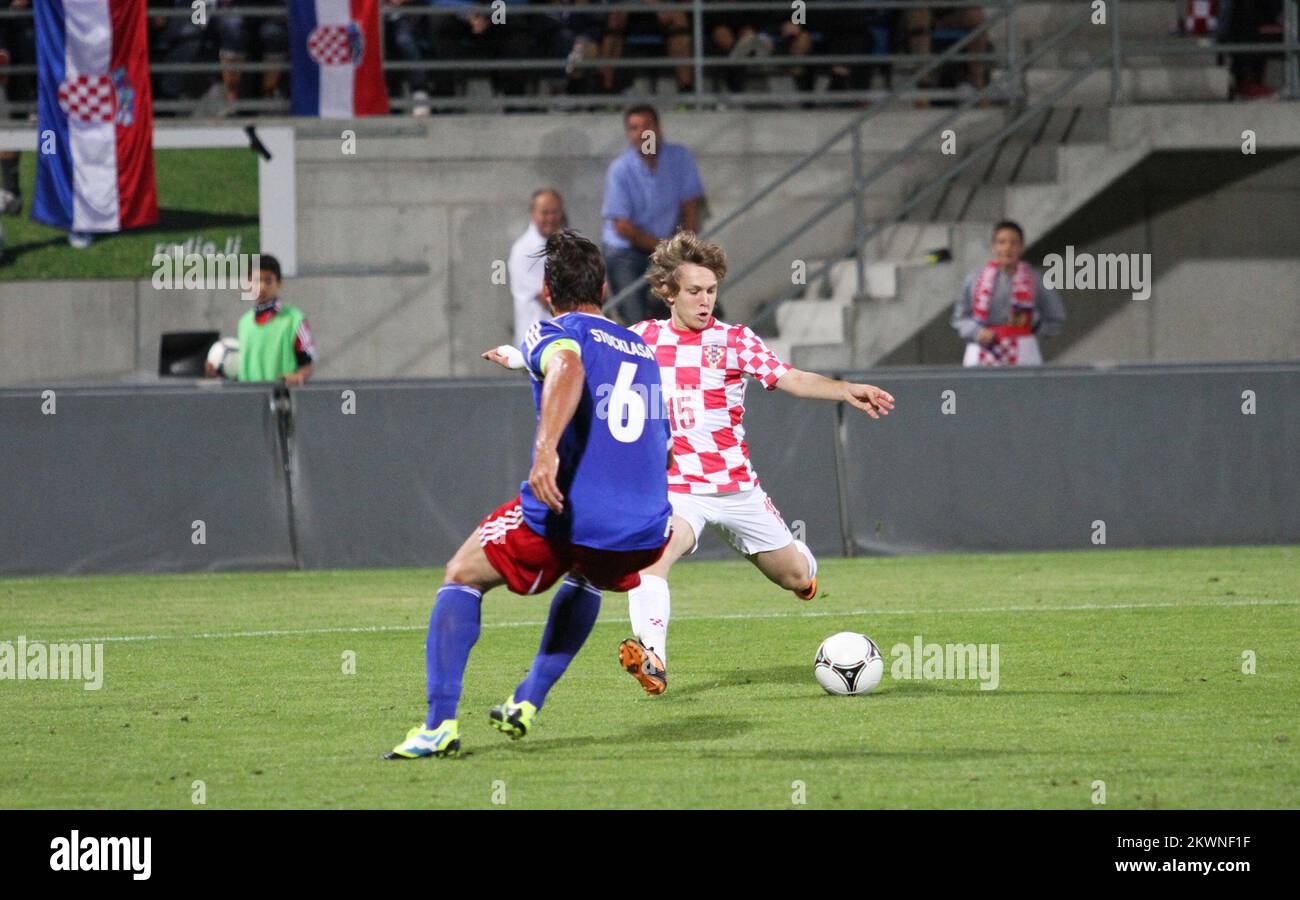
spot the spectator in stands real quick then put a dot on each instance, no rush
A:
(274, 339)
(1004, 307)
(574, 35)
(546, 215)
(239, 34)
(472, 35)
(673, 27)
(17, 48)
(13, 34)
(855, 32)
(921, 27)
(406, 38)
(1247, 22)
(652, 189)
(743, 34)
(176, 39)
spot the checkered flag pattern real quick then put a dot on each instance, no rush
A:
(88, 98)
(703, 375)
(328, 45)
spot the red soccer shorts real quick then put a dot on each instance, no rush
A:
(530, 563)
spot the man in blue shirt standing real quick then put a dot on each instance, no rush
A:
(651, 190)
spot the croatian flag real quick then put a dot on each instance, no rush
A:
(94, 171)
(336, 64)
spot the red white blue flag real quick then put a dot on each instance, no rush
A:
(336, 65)
(94, 168)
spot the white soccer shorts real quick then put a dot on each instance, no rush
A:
(749, 520)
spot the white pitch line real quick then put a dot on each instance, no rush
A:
(369, 629)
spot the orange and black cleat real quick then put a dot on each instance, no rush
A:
(644, 665)
(809, 592)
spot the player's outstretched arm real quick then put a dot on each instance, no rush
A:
(561, 393)
(811, 386)
(506, 356)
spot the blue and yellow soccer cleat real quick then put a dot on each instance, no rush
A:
(514, 719)
(443, 741)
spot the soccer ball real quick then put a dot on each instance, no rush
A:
(848, 663)
(224, 356)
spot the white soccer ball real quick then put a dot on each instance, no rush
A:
(849, 663)
(224, 356)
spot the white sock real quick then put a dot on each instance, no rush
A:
(807, 554)
(648, 607)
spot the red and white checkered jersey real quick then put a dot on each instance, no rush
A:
(703, 374)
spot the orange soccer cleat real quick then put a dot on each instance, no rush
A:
(644, 665)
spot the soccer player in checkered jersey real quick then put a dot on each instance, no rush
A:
(703, 364)
(594, 509)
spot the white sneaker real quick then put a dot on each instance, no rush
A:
(421, 107)
(11, 204)
(80, 239)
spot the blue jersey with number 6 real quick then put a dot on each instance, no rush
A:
(613, 455)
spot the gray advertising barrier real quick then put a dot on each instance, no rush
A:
(1041, 460)
(403, 478)
(397, 474)
(115, 480)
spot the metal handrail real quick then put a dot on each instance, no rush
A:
(1289, 47)
(941, 183)
(860, 184)
(909, 89)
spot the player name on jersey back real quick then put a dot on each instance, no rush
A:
(612, 454)
(624, 346)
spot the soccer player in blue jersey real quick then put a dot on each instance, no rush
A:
(594, 508)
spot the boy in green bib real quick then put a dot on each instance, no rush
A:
(274, 339)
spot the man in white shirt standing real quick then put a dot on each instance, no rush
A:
(546, 213)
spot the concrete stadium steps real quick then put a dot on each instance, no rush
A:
(840, 282)
(1206, 58)
(814, 321)
(1165, 84)
(881, 325)
(1143, 20)
(900, 282)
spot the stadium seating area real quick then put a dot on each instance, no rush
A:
(412, 223)
(438, 56)
(244, 47)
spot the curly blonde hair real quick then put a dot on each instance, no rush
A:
(683, 247)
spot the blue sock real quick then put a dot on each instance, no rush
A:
(453, 629)
(573, 613)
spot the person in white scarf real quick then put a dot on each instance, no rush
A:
(1004, 307)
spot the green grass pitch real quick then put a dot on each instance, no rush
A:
(208, 194)
(1124, 667)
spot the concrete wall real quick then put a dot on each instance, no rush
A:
(1223, 231)
(396, 243)
(452, 195)
(69, 331)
